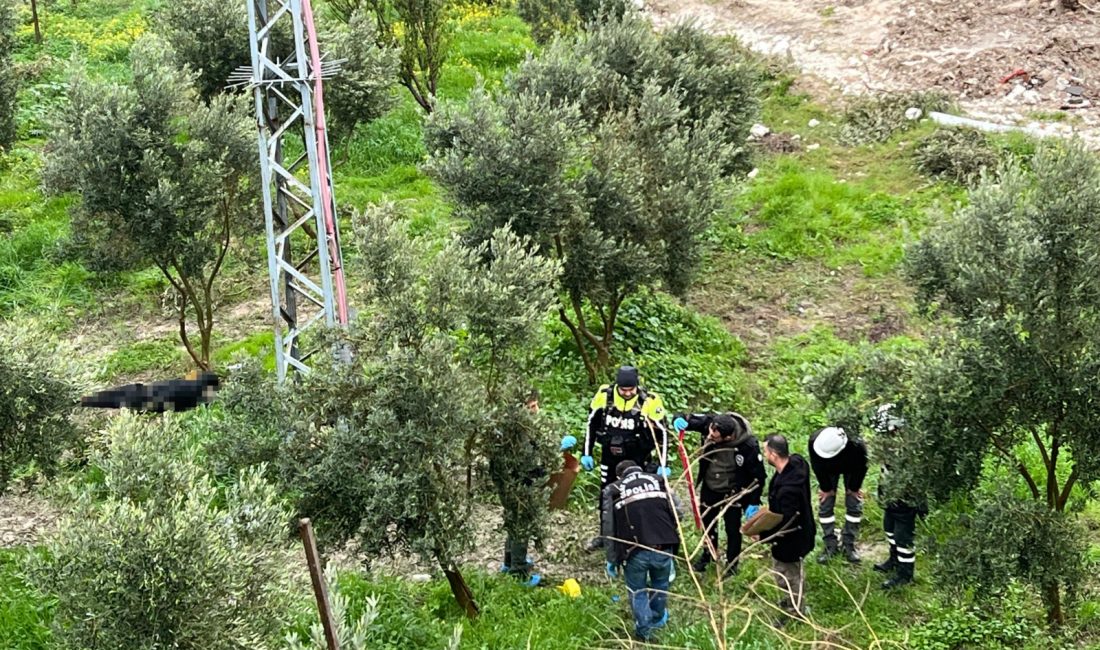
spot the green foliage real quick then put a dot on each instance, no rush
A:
(613, 171)
(163, 179)
(957, 155)
(1006, 538)
(41, 379)
(420, 32)
(380, 442)
(1012, 624)
(549, 18)
(363, 90)
(808, 213)
(876, 118)
(1017, 272)
(692, 361)
(9, 82)
(24, 615)
(210, 37)
(164, 558)
(140, 357)
(247, 426)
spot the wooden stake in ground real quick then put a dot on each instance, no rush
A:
(316, 574)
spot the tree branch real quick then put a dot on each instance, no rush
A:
(1064, 496)
(182, 312)
(1020, 467)
(588, 365)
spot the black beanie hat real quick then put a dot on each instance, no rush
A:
(725, 424)
(627, 377)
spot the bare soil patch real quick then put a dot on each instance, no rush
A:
(1001, 61)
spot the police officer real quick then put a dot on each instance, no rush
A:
(629, 424)
(899, 519)
(640, 527)
(730, 464)
(834, 456)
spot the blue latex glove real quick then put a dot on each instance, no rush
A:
(588, 463)
(664, 471)
(568, 442)
(612, 570)
(680, 424)
(750, 511)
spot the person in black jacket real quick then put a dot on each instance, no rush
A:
(639, 526)
(158, 397)
(731, 476)
(792, 538)
(834, 456)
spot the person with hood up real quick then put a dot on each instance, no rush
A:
(835, 456)
(731, 476)
(792, 538)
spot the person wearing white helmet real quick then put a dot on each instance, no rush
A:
(834, 456)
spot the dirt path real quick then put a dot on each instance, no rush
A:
(963, 47)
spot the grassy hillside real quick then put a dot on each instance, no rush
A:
(802, 268)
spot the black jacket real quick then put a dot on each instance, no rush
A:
(789, 495)
(169, 395)
(851, 462)
(638, 510)
(741, 453)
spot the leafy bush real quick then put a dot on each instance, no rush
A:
(957, 155)
(875, 119)
(363, 90)
(164, 558)
(9, 83)
(40, 382)
(1009, 624)
(210, 37)
(551, 17)
(248, 424)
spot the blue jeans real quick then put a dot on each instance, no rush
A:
(647, 574)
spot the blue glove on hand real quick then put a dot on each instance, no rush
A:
(664, 471)
(587, 463)
(750, 511)
(612, 570)
(680, 424)
(568, 442)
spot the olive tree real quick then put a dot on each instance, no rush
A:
(362, 90)
(9, 82)
(377, 453)
(601, 153)
(40, 382)
(1016, 275)
(417, 29)
(210, 37)
(162, 178)
(159, 555)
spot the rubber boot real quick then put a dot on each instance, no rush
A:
(903, 576)
(700, 565)
(891, 563)
(852, 555)
(827, 553)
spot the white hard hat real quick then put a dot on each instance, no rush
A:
(830, 441)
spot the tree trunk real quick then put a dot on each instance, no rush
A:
(461, 591)
(1052, 599)
(34, 19)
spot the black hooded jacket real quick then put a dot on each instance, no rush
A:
(789, 495)
(732, 465)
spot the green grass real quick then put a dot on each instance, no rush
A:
(24, 616)
(164, 355)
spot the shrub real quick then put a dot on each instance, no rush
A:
(875, 119)
(248, 424)
(9, 83)
(956, 155)
(40, 382)
(164, 558)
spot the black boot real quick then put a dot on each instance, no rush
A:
(827, 553)
(891, 563)
(700, 565)
(852, 555)
(903, 576)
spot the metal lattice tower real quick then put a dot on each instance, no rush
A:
(303, 239)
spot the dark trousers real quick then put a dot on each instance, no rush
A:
(900, 525)
(515, 557)
(713, 502)
(853, 516)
